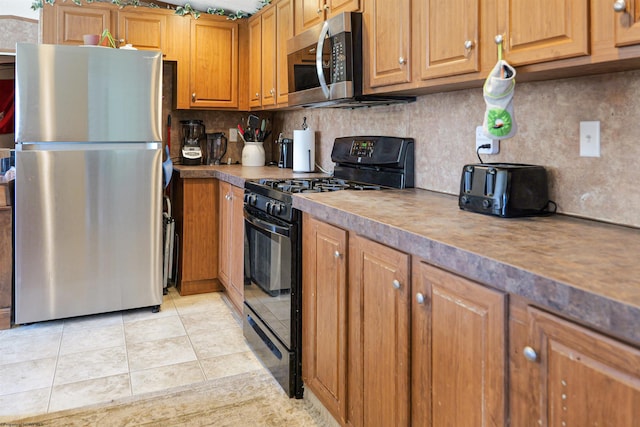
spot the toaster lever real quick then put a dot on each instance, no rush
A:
(468, 177)
(490, 182)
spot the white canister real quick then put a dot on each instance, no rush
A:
(304, 150)
(253, 154)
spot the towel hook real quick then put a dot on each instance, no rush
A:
(498, 39)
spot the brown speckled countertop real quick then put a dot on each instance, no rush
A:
(586, 270)
(238, 174)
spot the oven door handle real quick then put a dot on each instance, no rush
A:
(266, 226)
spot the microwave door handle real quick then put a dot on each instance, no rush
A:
(319, 50)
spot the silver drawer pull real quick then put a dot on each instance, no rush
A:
(420, 298)
(396, 284)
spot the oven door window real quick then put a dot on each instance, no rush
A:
(268, 247)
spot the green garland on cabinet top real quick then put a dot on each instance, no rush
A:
(180, 10)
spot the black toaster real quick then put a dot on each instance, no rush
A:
(504, 189)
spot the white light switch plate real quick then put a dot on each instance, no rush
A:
(590, 139)
(233, 135)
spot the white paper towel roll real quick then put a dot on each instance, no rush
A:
(304, 150)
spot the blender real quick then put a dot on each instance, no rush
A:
(193, 136)
(216, 147)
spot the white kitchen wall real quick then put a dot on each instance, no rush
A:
(548, 116)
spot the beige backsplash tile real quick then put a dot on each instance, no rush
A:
(548, 116)
(443, 125)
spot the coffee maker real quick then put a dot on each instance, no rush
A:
(193, 137)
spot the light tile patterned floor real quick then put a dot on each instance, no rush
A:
(63, 364)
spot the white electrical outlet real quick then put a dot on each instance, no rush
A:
(233, 135)
(590, 139)
(481, 139)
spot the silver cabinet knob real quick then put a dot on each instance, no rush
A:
(420, 298)
(257, 95)
(336, 254)
(396, 284)
(319, 11)
(468, 44)
(228, 196)
(498, 39)
(326, 7)
(620, 6)
(402, 60)
(530, 354)
(272, 91)
(193, 97)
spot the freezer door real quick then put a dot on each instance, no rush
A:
(87, 94)
(88, 229)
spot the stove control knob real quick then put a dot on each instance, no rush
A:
(251, 199)
(269, 208)
(465, 200)
(486, 204)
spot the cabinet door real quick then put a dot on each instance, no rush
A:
(627, 23)
(379, 314)
(284, 12)
(307, 14)
(448, 37)
(387, 41)
(324, 311)
(72, 22)
(142, 30)
(336, 7)
(458, 351)
(544, 30)
(255, 62)
(236, 277)
(197, 223)
(214, 63)
(224, 232)
(269, 57)
(586, 378)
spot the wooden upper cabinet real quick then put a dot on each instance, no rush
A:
(627, 22)
(448, 38)
(66, 24)
(255, 62)
(585, 377)
(284, 31)
(145, 31)
(214, 63)
(387, 42)
(269, 57)
(543, 30)
(312, 12)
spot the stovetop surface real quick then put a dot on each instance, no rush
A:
(315, 185)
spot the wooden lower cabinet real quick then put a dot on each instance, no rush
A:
(458, 351)
(569, 375)
(231, 242)
(379, 301)
(324, 314)
(195, 207)
(6, 266)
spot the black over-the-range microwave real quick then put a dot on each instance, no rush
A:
(324, 66)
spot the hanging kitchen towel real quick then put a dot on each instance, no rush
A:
(499, 121)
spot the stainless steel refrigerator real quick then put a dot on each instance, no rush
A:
(88, 190)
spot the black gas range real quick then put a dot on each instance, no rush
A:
(273, 245)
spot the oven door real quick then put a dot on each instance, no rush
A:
(270, 271)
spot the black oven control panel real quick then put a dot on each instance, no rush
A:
(362, 148)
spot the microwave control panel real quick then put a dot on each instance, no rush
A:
(340, 51)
